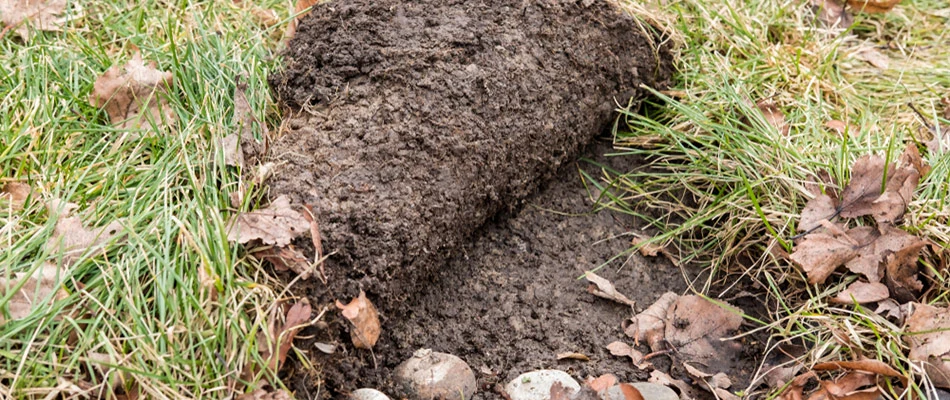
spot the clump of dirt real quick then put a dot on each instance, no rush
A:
(416, 122)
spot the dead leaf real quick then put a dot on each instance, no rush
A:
(696, 326)
(261, 394)
(718, 384)
(646, 249)
(773, 115)
(559, 392)
(820, 208)
(264, 17)
(650, 324)
(864, 195)
(867, 365)
(572, 356)
(325, 348)
(135, 94)
(277, 225)
(362, 313)
(41, 15)
(823, 252)
(14, 195)
(831, 13)
(873, 6)
(849, 384)
(621, 349)
(297, 316)
(875, 245)
(40, 288)
(901, 271)
(71, 240)
(285, 258)
(231, 147)
(602, 382)
(861, 293)
(603, 288)
(686, 390)
(301, 9)
(630, 392)
(928, 334)
(843, 129)
(892, 309)
(874, 57)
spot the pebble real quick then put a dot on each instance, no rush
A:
(433, 375)
(536, 385)
(651, 391)
(368, 394)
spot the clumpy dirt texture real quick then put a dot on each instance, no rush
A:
(510, 300)
(417, 121)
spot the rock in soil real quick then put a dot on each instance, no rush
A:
(536, 385)
(433, 375)
(368, 394)
(412, 123)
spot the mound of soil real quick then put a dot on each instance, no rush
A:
(419, 120)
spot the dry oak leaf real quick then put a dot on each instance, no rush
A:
(863, 195)
(276, 225)
(875, 245)
(42, 15)
(862, 293)
(820, 208)
(71, 240)
(928, 331)
(40, 288)
(14, 195)
(773, 115)
(650, 324)
(603, 288)
(873, 6)
(362, 313)
(831, 13)
(823, 252)
(696, 327)
(135, 94)
(901, 273)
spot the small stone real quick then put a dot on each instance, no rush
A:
(536, 385)
(650, 391)
(433, 375)
(368, 394)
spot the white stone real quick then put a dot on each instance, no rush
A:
(434, 375)
(368, 394)
(536, 385)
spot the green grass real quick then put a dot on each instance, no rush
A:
(724, 188)
(137, 310)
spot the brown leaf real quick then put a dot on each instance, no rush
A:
(842, 128)
(572, 356)
(901, 272)
(821, 253)
(301, 9)
(697, 326)
(875, 245)
(297, 316)
(863, 195)
(714, 383)
(559, 392)
(874, 57)
(602, 382)
(135, 94)
(285, 258)
(820, 208)
(890, 308)
(261, 394)
(630, 392)
(71, 240)
(928, 331)
(39, 289)
(873, 6)
(14, 195)
(867, 365)
(621, 349)
(831, 13)
(646, 249)
(603, 288)
(773, 115)
(861, 293)
(650, 324)
(362, 313)
(277, 225)
(686, 390)
(42, 15)
(849, 384)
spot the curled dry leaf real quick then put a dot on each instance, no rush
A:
(875, 245)
(649, 325)
(718, 384)
(697, 327)
(646, 249)
(71, 240)
(601, 383)
(285, 258)
(870, 366)
(37, 290)
(135, 94)
(862, 293)
(621, 349)
(362, 313)
(863, 195)
(603, 288)
(42, 15)
(901, 272)
(873, 6)
(14, 195)
(928, 331)
(823, 252)
(297, 316)
(773, 115)
(277, 225)
(573, 356)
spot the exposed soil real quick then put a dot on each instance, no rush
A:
(426, 118)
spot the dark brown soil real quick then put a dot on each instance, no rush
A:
(426, 118)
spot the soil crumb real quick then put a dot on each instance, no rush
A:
(416, 122)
